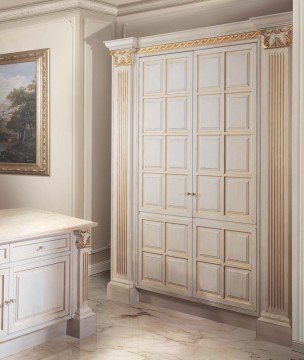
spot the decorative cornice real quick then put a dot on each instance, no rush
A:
(200, 42)
(150, 5)
(47, 7)
(83, 239)
(277, 38)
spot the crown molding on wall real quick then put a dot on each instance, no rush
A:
(150, 5)
(47, 7)
(133, 8)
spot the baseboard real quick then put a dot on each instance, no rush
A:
(32, 339)
(197, 309)
(273, 332)
(99, 267)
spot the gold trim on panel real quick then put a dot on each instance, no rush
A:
(200, 42)
(277, 38)
(277, 218)
(122, 172)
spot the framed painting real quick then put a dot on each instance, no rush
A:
(24, 112)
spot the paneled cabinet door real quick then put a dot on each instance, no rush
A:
(4, 275)
(165, 135)
(39, 293)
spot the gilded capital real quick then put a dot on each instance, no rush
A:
(122, 57)
(277, 38)
(83, 239)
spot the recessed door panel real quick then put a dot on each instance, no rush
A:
(4, 298)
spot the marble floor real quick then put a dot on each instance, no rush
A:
(146, 332)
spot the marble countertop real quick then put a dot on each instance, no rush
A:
(25, 223)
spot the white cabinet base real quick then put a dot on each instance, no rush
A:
(121, 292)
(33, 339)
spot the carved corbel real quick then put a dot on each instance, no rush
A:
(277, 37)
(123, 57)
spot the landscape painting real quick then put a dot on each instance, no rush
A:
(18, 112)
(24, 112)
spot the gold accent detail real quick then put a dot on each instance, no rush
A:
(122, 57)
(278, 219)
(122, 172)
(277, 38)
(41, 167)
(83, 239)
(200, 42)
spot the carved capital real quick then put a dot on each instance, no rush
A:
(122, 57)
(83, 239)
(277, 38)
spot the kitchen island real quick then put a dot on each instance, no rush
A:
(44, 260)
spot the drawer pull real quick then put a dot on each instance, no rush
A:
(41, 248)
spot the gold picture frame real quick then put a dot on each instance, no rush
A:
(24, 113)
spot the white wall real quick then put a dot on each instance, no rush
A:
(54, 193)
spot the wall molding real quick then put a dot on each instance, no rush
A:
(48, 7)
(101, 249)
(99, 267)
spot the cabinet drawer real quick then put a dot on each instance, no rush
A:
(4, 254)
(39, 247)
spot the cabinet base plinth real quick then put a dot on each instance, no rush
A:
(30, 340)
(124, 293)
(274, 332)
(82, 327)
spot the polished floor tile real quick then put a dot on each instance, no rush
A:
(145, 332)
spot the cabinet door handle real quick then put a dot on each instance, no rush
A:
(41, 248)
(190, 194)
(12, 301)
(7, 302)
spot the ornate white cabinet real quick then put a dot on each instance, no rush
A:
(200, 168)
(43, 278)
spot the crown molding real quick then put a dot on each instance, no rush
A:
(150, 5)
(48, 7)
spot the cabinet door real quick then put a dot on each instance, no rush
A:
(3, 299)
(165, 128)
(40, 293)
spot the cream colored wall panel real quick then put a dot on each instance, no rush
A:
(152, 190)
(209, 243)
(177, 148)
(153, 115)
(153, 77)
(238, 69)
(209, 112)
(177, 76)
(210, 72)
(177, 239)
(152, 267)
(237, 196)
(152, 152)
(177, 114)
(32, 307)
(208, 278)
(237, 247)
(237, 284)
(209, 153)
(176, 194)
(4, 296)
(4, 254)
(152, 235)
(209, 194)
(237, 151)
(177, 273)
(237, 112)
